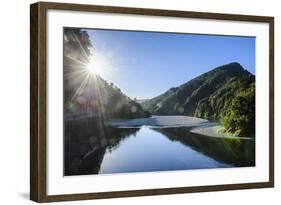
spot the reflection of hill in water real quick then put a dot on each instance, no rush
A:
(238, 152)
(85, 144)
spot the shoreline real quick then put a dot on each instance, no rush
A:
(158, 121)
(198, 125)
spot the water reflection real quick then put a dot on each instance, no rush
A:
(234, 151)
(85, 143)
(90, 149)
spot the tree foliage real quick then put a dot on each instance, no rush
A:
(239, 117)
(88, 94)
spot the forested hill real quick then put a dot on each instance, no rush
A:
(89, 94)
(105, 99)
(224, 93)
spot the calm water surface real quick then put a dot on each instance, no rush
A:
(123, 150)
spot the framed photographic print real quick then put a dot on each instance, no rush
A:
(134, 102)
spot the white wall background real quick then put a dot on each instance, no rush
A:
(14, 101)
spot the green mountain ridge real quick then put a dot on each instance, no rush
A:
(212, 95)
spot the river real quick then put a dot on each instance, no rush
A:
(145, 147)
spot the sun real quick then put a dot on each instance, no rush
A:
(96, 66)
(100, 64)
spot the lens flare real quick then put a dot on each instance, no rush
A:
(97, 65)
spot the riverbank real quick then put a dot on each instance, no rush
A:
(214, 129)
(158, 121)
(198, 125)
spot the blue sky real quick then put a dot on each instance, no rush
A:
(146, 64)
